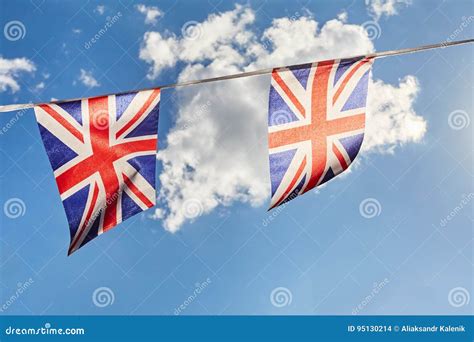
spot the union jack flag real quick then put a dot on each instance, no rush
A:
(315, 123)
(102, 151)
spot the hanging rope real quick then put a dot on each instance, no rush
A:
(12, 107)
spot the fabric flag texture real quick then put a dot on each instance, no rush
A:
(102, 151)
(316, 123)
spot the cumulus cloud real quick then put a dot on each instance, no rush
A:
(380, 8)
(10, 70)
(158, 51)
(218, 39)
(87, 78)
(152, 13)
(216, 154)
(391, 119)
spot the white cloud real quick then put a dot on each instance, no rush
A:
(40, 86)
(379, 8)
(301, 41)
(391, 118)
(159, 51)
(343, 16)
(217, 39)
(10, 69)
(100, 9)
(87, 78)
(217, 152)
(76, 31)
(152, 13)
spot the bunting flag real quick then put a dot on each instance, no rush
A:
(316, 123)
(102, 151)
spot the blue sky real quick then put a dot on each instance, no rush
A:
(319, 251)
